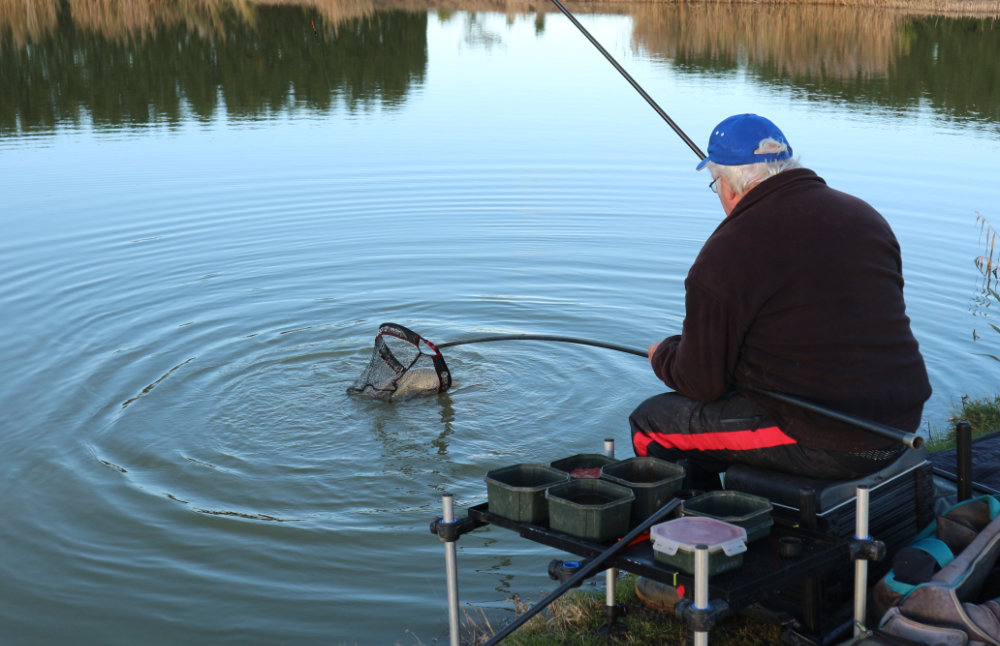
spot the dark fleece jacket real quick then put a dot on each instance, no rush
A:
(800, 290)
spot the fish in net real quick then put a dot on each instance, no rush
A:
(403, 365)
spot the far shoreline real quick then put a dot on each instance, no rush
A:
(944, 8)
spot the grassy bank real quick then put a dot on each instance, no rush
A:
(983, 414)
(574, 620)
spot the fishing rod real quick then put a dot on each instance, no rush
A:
(632, 81)
(909, 439)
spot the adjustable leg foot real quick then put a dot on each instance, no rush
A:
(612, 623)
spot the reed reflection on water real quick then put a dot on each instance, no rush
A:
(258, 59)
(167, 65)
(790, 42)
(844, 53)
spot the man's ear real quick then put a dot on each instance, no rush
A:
(727, 195)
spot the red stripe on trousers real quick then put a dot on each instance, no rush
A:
(761, 438)
(641, 442)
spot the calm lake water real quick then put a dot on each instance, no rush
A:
(207, 212)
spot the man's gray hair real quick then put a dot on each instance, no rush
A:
(743, 178)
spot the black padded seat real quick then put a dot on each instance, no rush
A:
(901, 498)
(786, 489)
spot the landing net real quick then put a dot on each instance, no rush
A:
(403, 365)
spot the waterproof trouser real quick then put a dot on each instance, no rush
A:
(708, 437)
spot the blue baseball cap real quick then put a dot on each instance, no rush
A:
(736, 141)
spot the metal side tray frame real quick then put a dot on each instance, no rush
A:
(763, 567)
(767, 566)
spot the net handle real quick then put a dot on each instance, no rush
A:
(545, 337)
(909, 439)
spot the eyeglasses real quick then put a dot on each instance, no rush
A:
(712, 187)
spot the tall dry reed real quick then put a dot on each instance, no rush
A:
(790, 40)
(26, 20)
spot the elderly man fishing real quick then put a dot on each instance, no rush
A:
(799, 290)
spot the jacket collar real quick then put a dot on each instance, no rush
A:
(774, 184)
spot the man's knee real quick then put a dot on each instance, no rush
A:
(659, 414)
(663, 413)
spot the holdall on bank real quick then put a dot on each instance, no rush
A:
(945, 587)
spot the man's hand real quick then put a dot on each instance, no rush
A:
(651, 350)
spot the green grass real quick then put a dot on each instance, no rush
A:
(983, 414)
(574, 620)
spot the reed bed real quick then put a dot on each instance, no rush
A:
(792, 41)
(27, 20)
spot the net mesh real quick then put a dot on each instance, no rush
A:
(403, 364)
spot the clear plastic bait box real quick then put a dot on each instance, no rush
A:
(674, 543)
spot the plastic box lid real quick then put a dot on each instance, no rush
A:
(688, 532)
